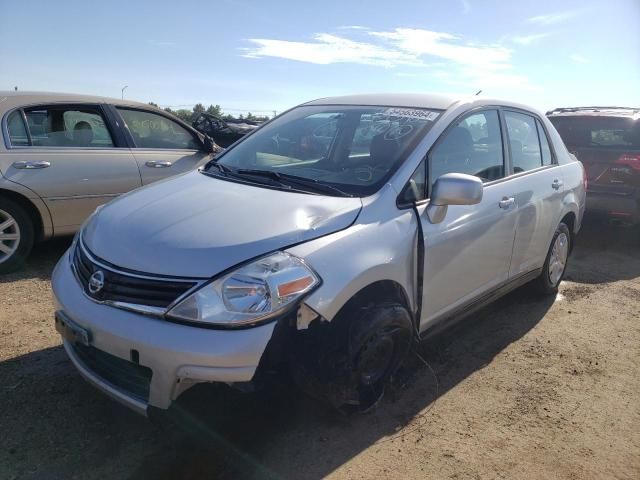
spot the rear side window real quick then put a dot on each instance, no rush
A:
(473, 146)
(17, 131)
(547, 159)
(524, 142)
(57, 126)
(150, 130)
(598, 131)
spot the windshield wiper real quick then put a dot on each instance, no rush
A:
(259, 173)
(221, 167)
(316, 185)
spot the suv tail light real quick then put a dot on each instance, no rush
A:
(631, 160)
(585, 180)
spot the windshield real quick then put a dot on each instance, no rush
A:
(353, 149)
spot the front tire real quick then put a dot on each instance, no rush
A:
(555, 265)
(379, 341)
(349, 362)
(16, 235)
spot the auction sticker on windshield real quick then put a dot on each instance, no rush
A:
(412, 113)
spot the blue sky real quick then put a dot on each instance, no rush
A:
(270, 55)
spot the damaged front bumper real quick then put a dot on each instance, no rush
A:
(125, 348)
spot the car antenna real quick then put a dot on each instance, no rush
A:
(478, 93)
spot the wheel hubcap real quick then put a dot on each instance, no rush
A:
(9, 235)
(558, 260)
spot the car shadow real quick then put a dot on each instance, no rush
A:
(41, 262)
(605, 252)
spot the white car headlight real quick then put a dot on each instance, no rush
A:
(250, 294)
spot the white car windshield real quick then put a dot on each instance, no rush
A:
(352, 149)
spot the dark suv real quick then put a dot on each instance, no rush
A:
(607, 141)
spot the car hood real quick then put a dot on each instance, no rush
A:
(197, 226)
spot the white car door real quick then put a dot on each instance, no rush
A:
(469, 253)
(538, 187)
(161, 146)
(70, 158)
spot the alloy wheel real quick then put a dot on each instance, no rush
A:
(9, 235)
(558, 260)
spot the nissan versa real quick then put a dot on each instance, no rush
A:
(324, 242)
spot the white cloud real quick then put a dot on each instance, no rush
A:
(466, 7)
(553, 18)
(328, 49)
(467, 64)
(578, 58)
(529, 39)
(419, 42)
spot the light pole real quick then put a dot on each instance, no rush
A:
(123, 89)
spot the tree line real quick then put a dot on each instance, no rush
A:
(188, 116)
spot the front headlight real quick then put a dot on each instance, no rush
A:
(250, 294)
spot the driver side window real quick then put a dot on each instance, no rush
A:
(473, 146)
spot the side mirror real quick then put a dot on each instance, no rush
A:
(453, 189)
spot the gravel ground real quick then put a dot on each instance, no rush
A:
(526, 388)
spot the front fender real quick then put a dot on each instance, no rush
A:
(365, 253)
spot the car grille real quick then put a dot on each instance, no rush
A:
(126, 287)
(126, 376)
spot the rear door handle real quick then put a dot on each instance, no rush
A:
(31, 165)
(557, 184)
(156, 164)
(506, 202)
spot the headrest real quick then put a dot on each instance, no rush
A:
(383, 151)
(82, 134)
(458, 139)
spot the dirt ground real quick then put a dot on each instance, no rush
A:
(527, 388)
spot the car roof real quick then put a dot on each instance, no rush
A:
(418, 100)
(12, 99)
(594, 111)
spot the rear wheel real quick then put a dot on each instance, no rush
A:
(555, 265)
(16, 235)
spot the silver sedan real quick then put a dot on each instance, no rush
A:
(323, 243)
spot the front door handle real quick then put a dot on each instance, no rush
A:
(506, 202)
(557, 184)
(31, 165)
(157, 164)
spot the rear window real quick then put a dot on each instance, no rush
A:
(612, 132)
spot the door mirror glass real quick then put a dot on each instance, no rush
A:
(453, 189)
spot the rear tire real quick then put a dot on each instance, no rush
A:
(17, 235)
(555, 265)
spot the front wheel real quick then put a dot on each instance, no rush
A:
(555, 265)
(379, 343)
